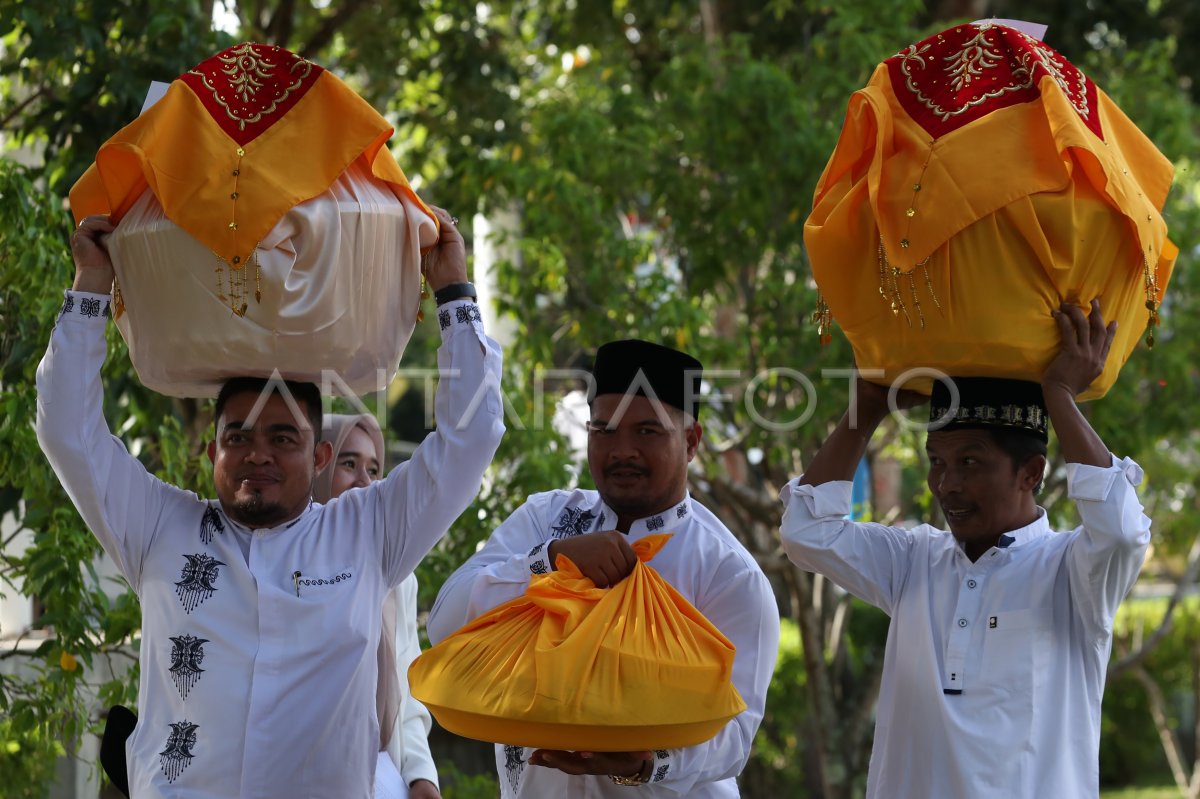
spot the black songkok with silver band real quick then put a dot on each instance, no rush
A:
(990, 403)
(642, 368)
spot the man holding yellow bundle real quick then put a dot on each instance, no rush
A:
(1001, 628)
(641, 437)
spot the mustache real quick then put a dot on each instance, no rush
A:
(629, 466)
(253, 473)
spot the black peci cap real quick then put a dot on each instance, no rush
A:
(650, 370)
(991, 403)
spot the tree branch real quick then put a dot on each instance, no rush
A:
(1166, 735)
(762, 509)
(330, 26)
(279, 29)
(21, 106)
(1186, 581)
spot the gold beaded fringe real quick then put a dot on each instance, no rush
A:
(238, 282)
(892, 293)
(1151, 280)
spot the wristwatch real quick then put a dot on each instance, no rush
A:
(641, 778)
(455, 291)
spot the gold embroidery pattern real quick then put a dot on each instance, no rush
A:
(1076, 94)
(247, 73)
(968, 69)
(980, 55)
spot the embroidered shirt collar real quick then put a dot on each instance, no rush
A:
(662, 522)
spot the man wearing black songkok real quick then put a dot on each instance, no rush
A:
(642, 434)
(1000, 628)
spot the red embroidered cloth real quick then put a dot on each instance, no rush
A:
(249, 86)
(963, 73)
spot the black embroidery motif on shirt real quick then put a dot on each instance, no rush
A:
(178, 753)
(572, 522)
(655, 523)
(514, 765)
(196, 580)
(444, 318)
(537, 567)
(681, 511)
(67, 306)
(468, 313)
(186, 656)
(210, 523)
(661, 774)
(89, 307)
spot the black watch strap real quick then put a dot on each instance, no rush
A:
(455, 291)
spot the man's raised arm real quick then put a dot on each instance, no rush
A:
(112, 491)
(421, 498)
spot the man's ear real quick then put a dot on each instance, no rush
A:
(322, 455)
(694, 434)
(1032, 472)
(212, 451)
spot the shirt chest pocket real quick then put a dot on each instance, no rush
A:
(1015, 644)
(327, 603)
(321, 584)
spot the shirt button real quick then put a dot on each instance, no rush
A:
(971, 584)
(962, 622)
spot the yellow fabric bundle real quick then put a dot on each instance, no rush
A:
(570, 666)
(979, 182)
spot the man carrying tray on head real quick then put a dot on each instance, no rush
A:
(261, 609)
(1001, 628)
(642, 435)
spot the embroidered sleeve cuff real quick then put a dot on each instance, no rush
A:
(539, 559)
(827, 499)
(662, 765)
(459, 313)
(1094, 483)
(85, 305)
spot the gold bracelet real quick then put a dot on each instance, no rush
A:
(641, 778)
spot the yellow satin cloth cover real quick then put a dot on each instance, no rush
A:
(949, 249)
(570, 666)
(262, 165)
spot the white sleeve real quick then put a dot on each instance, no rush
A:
(744, 609)
(118, 499)
(419, 500)
(495, 574)
(870, 561)
(1107, 550)
(409, 745)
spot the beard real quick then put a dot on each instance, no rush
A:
(254, 511)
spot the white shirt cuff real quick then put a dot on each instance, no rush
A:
(1093, 483)
(538, 560)
(826, 499)
(661, 766)
(85, 305)
(459, 313)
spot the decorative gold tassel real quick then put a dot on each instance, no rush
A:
(257, 278)
(823, 318)
(1151, 278)
(424, 293)
(118, 302)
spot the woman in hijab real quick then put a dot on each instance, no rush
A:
(405, 767)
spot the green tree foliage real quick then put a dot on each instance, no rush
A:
(658, 158)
